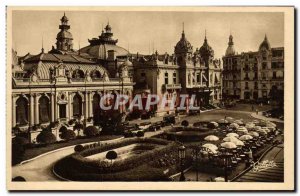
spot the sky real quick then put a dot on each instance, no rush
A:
(145, 32)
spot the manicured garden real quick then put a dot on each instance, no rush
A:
(157, 160)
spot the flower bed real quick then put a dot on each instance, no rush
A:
(188, 134)
(154, 161)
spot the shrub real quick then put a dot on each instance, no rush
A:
(78, 148)
(128, 134)
(68, 134)
(185, 123)
(20, 140)
(140, 134)
(78, 126)
(91, 131)
(18, 149)
(46, 137)
(72, 122)
(111, 155)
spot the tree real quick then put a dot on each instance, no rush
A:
(277, 95)
(91, 131)
(46, 136)
(111, 155)
(78, 148)
(68, 134)
(140, 134)
(78, 126)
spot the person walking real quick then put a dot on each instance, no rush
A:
(256, 111)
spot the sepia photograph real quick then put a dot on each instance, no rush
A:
(150, 98)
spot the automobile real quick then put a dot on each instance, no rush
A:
(193, 112)
(262, 100)
(145, 125)
(170, 119)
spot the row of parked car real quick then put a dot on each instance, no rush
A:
(274, 113)
(131, 130)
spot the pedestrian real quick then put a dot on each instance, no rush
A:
(256, 111)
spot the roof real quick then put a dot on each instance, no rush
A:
(50, 57)
(42, 69)
(100, 51)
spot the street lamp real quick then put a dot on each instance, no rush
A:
(181, 154)
(226, 156)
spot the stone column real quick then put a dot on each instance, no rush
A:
(86, 107)
(31, 105)
(69, 108)
(14, 113)
(36, 108)
(91, 104)
(52, 107)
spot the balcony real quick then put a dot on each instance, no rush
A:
(172, 86)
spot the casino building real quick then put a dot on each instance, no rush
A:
(50, 89)
(184, 72)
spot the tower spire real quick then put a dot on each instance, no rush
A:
(42, 43)
(183, 34)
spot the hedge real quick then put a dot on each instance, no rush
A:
(91, 131)
(46, 137)
(87, 169)
(68, 134)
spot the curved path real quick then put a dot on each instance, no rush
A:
(40, 168)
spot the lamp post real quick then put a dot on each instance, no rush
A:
(226, 157)
(181, 154)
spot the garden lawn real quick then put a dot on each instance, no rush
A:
(33, 152)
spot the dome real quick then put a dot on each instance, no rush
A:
(206, 50)
(64, 34)
(101, 51)
(183, 45)
(64, 18)
(230, 49)
(265, 45)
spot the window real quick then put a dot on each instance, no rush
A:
(96, 74)
(44, 109)
(78, 74)
(77, 105)
(198, 78)
(246, 85)
(22, 111)
(264, 65)
(255, 85)
(274, 74)
(174, 78)
(62, 111)
(166, 78)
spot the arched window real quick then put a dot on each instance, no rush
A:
(166, 78)
(44, 109)
(96, 104)
(78, 74)
(96, 74)
(77, 105)
(22, 111)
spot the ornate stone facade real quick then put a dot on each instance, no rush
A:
(252, 75)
